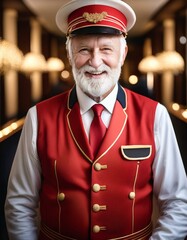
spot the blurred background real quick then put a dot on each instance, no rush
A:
(34, 67)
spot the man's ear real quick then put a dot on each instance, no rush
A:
(124, 55)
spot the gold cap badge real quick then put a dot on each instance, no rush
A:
(94, 17)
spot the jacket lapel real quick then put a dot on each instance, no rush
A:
(117, 123)
(116, 127)
(76, 126)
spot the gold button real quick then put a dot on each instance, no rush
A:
(96, 229)
(61, 196)
(97, 166)
(96, 187)
(132, 195)
(96, 208)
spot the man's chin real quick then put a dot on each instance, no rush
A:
(94, 94)
(100, 93)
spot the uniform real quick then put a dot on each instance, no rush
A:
(109, 200)
(108, 196)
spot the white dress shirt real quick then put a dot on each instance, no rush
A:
(86, 104)
(169, 186)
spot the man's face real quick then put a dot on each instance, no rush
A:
(96, 63)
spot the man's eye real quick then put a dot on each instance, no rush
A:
(107, 50)
(84, 51)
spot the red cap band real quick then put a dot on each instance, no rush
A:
(96, 15)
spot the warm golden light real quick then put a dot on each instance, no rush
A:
(14, 125)
(175, 106)
(184, 114)
(11, 129)
(133, 79)
(34, 62)
(10, 56)
(6, 131)
(55, 64)
(171, 61)
(1, 134)
(65, 74)
(149, 64)
(178, 110)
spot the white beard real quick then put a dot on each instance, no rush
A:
(100, 86)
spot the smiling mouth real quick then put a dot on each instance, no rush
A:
(95, 74)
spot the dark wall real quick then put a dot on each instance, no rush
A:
(180, 128)
(7, 152)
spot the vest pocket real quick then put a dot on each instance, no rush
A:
(136, 152)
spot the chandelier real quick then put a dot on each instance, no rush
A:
(55, 64)
(10, 56)
(149, 64)
(34, 62)
(171, 61)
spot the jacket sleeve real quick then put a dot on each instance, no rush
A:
(21, 206)
(170, 182)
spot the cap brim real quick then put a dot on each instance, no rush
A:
(96, 30)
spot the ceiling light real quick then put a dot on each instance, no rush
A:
(34, 62)
(149, 64)
(171, 61)
(10, 56)
(55, 64)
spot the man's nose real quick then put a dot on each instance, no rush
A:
(95, 60)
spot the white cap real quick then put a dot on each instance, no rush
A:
(91, 16)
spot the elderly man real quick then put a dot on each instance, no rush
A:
(92, 158)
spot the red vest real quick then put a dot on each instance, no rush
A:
(109, 197)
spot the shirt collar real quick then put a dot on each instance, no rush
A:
(86, 102)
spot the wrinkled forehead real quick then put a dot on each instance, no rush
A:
(96, 39)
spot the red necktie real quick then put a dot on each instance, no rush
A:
(97, 128)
